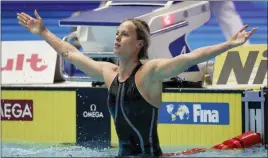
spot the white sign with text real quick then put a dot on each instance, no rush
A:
(27, 62)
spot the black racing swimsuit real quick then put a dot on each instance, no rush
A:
(135, 119)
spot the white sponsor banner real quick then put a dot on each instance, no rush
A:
(27, 62)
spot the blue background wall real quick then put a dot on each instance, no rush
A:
(51, 12)
(252, 13)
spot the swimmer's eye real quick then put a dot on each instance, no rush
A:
(122, 34)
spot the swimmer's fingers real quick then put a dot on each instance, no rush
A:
(26, 16)
(37, 15)
(22, 24)
(250, 33)
(22, 19)
(243, 28)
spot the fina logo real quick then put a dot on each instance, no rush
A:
(199, 115)
(211, 116)
(93, 113)
(182, 112)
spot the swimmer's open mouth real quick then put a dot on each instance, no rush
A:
(117, 45)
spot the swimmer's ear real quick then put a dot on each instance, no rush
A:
(140, 43)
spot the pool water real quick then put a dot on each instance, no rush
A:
(37, 150)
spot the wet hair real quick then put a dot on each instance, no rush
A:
(143, 33)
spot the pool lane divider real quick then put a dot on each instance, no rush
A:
(244, 140)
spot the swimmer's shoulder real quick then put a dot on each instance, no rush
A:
(148, 67)
(107, 66)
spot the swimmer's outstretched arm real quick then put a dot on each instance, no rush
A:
(166, 68)
(92, 68)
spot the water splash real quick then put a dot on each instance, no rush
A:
(35, 150)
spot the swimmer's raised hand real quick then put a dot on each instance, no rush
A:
(100, 71)
(241, 36)
(34, 25)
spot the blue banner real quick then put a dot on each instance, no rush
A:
(194, 113)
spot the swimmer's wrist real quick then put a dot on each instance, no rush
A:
(229, 44)
(44, 32)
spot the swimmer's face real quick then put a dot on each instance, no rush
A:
(126, 43)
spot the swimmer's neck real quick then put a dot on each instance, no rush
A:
(126, 67)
